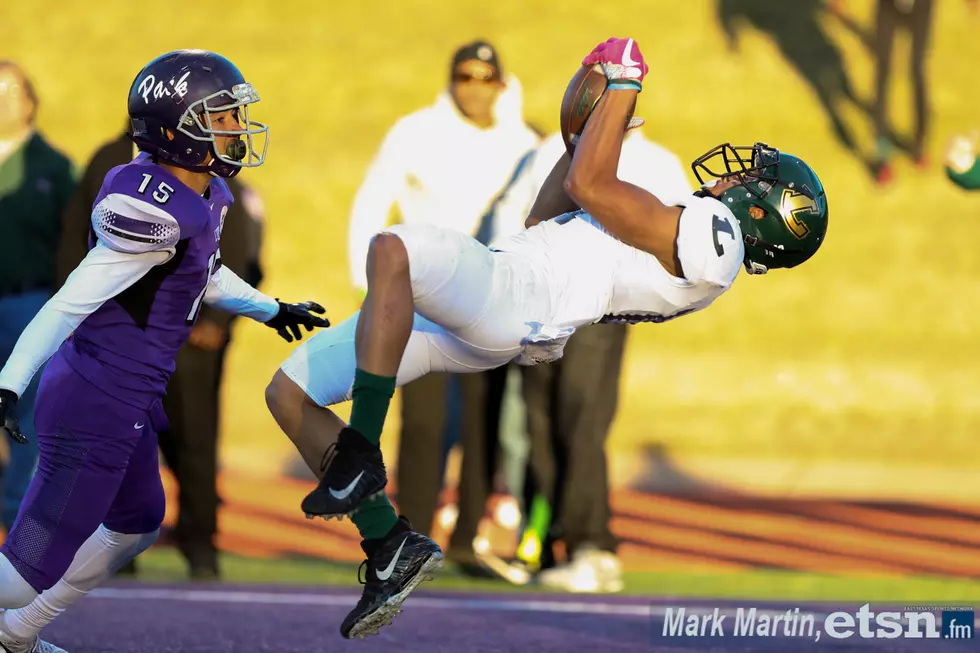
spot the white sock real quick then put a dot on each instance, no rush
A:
(15, 592)
(102, 555)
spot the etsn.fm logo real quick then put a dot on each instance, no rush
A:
(958, 624)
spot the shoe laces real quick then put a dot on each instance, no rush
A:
(362, 570)
(327, 456)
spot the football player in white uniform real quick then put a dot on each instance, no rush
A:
(597, 249)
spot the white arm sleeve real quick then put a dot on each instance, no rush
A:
(382, 183)
(102, 274)
(228, 292)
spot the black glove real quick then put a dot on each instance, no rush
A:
(8, 421)
(292, 316)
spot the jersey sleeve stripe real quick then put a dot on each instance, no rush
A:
(128, 235)
(147, 232)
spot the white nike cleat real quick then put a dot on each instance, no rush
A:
(590, 571)
(10, 644)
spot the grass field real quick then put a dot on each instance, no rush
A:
(868, 351)
(163, 565)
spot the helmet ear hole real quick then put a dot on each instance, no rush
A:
(756, 212)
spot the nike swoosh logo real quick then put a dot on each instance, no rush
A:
(385, 573)
(137, 425)
(628, 55)
(343, 494)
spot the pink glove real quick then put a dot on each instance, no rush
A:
(621, 60)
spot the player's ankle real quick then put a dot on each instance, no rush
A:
(372, 395)
(376, 521)
(351, 438)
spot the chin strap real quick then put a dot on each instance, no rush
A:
(751, 266)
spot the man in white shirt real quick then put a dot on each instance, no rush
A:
(444, 165)
(571, 402)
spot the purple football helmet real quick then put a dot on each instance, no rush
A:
(180, 91)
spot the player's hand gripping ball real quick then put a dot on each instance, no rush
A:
(611, 63)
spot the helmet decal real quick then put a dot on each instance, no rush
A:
(151, 85)
(793, 202)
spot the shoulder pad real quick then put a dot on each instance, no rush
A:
(709, 242)
(132, 226)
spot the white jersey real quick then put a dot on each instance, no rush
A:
(595, 277)
(520, 300)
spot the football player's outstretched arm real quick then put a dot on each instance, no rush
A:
(552, 199)
(628, 212)
(228, 292)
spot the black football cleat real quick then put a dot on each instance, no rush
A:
(354, 471)
(394, 567)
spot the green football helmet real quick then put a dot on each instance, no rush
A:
(779, 203)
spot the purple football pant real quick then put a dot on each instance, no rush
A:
(98, 465)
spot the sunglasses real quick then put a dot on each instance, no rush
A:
(460, 78)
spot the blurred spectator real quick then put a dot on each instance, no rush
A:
(192, 403)
(571, 402)
(915, 16)
(35, 184)
(962, 163)
(797, 29)
(444, 164)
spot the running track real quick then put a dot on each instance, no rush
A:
(134, 617)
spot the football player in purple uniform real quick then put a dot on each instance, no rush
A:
(113, 332)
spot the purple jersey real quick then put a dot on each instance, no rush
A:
(128, 347)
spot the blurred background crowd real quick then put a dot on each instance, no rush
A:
(851, 377)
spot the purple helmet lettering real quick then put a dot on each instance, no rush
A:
(171, 104)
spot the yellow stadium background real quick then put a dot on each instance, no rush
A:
(855, 375)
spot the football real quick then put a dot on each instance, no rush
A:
(583, 92)
(581, 96)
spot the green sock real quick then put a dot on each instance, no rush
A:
(375, 518)
(372, 394)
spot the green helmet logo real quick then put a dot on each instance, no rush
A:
(792, 202)
(779, 203)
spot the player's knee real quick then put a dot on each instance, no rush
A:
(18, 596)
(155, 513)
(145, 541)
(15, 590)
(285, 400)
(387, 256)
(134, 542)
(149, 517)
